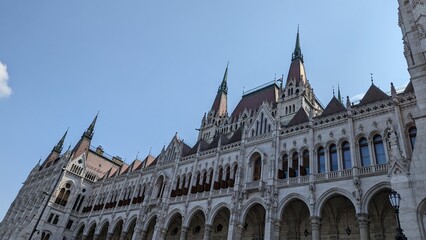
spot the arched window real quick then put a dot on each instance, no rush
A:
(76, 202)
(333, 158)
(257, 173)
(412, 133)
(228, 175)
(294, 170)
(64, 193)
(199, 183)
(184, 185)
(321, 160)
(379, 150)
(363, 152)
(283, 174)
(304, 169)
(346, 155)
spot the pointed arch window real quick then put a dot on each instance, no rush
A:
(364, 153)
(304, 169)
(294, 170)
(412, 133)
(283, 173)
(379, 150)
(257, 173)
(333, 158)
(346, 155)
(321, 160)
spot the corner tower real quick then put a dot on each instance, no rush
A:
(297, 93)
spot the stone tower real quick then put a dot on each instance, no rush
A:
(412, 186)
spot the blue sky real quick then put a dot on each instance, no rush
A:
(152, 68)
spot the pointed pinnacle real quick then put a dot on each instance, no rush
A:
(90, 130)
(60, 144)
(224, 85)
(297, 54)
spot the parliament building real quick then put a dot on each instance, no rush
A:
(280, 165)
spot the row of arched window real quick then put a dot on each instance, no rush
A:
(332, 158)
(224, 178)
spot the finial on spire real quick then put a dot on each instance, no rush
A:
(333, 92)
(393, 90)
(371, 77)
(91, 129)
(297, 54)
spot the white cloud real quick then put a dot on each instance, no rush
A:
(5, 90)
(357, 98)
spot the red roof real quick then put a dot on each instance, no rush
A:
(297, 72)
(253, 100)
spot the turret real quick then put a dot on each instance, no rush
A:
(84, 144)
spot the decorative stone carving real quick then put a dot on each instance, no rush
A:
(414, 3)
(358, 191)
(420, 32)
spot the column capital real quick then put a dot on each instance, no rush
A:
(316, 223)
(363, 220)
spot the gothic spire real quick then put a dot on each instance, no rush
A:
(297, 54)
(339, 97)
(90, 130)
(60, 144)
(224, 85)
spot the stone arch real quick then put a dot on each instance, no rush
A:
(79, 233)
(341, 140)
(127, 224)
(371, 192)
(174, 224)
(151, 216)
(381, 214)
(171, 215)
(375, 132)
(196, 224)
(149, 226)
(130, 227)
(220, 220)
(329, 194)
(90, 233)
(215, 211)
(254, 152)
(249, 204)
(421, 218)
(103, 229)
(288, 199)
(117, 229)
(191, 214)
(338, 217)
(253, 221)
(329, 143)
(359, 136)
(295, 218)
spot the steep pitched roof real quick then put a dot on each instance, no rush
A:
(299, 117)
(409, 88)
(373, 94)
(185, 149)
(253, 100)
(203, 146)
(236, 137)
(334, 106)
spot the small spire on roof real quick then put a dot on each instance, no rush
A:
(90, 130)
(338, 93)
(60, 144)
(371, 77)
(393, 90)
(297, 54)
(333, 92)
(224, 85)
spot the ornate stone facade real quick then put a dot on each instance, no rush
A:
(280, 166)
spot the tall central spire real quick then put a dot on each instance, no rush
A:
(297, 54)
(220, 102)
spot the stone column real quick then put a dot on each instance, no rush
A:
(123, 235)
(238, 232)
(109, 236)
(163, 233)
(316, 227)
(207, 231)
(277, 228)
(363, 226)
(142, 235)
(183, 233)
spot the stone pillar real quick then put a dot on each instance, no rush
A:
(238, 234)
(269, 228)
(142, 235)
(316, 227)
(363, 226)
(183, 233)
(207, 231)
(109, 236)
(163, 233)
(277, 228)
(123, 235)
